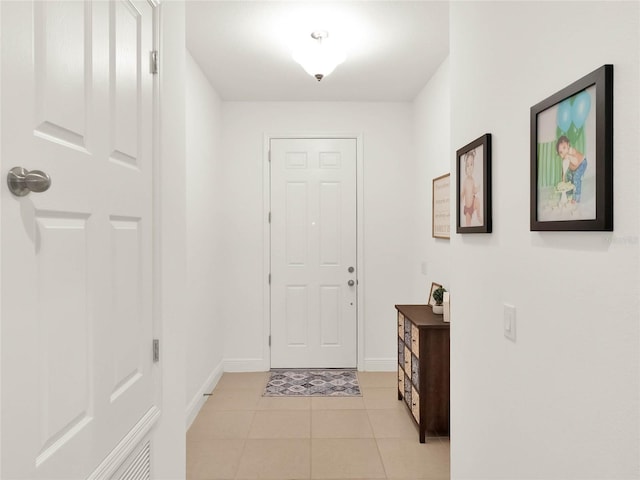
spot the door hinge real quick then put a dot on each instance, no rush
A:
(269, 156)
(156, 350)
(269, 340)
(153, 62)
(269, 279)
(269, 217)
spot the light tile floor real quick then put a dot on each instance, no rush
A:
(239, 434)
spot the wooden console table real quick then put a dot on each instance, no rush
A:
(423, 368)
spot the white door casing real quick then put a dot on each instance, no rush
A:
(313, 246)
(77, 103)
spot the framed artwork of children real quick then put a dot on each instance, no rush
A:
(473, 199)
(572, 156)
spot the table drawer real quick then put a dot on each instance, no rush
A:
(415, 340)
(407, 361)
(415, 404)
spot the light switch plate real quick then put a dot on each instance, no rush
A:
(509, 318)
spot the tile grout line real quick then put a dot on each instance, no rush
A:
(244, 444)
(375, 439)
(310, 453)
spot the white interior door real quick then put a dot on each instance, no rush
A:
(313, 253)
(77, 103)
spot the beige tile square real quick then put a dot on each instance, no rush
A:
(340, 424)
(393, 423)
(214, 459)
(284, 403)
(345, 458)
(249, 380)
(220, 424)
(405, 458)
(378, 379)
(337, 403)
(281, 424)
(381, 398)
(232, 399)
(279, 459)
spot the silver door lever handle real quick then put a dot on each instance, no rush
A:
(22, 181)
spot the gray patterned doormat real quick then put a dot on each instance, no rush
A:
(312, 383)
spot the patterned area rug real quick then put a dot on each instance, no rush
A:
(312, 383)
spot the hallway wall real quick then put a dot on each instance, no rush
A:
(562, 401)
(431, 137)
(388, 211)
(203, 321)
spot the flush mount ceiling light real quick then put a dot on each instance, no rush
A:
(319, 57)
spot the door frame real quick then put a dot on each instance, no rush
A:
(266, 203)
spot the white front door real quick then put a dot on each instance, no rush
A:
(77, 103)
(313, 253)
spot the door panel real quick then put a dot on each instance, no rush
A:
(329, 228)
(76, 270)
(127, 302)
(61, 86)
(125, 78)
(330, 314)
(313, 242)
(64, 375)
(297, 302)
(296, 224)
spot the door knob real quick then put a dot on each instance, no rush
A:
(351, 283)
(22, 181)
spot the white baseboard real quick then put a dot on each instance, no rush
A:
(380, 364)
(260, 365)
(245, 365)
(196, 403)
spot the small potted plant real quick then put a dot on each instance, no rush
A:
(438, 295)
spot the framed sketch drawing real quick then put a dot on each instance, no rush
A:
(572, 156)
(440, 207)
(473, 186)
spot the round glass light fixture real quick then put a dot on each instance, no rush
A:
(320, 57)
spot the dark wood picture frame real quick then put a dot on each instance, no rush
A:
(473, 212)
(583, 124)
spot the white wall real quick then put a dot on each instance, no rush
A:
(562, 401)
(388, 217)
(203, 321)
(431, 132)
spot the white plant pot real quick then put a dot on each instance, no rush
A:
(438, 309)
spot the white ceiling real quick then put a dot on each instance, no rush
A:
(244, 47)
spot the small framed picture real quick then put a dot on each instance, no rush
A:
(572, 156)
(473, 198)
(440, 211)
(434, 286)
